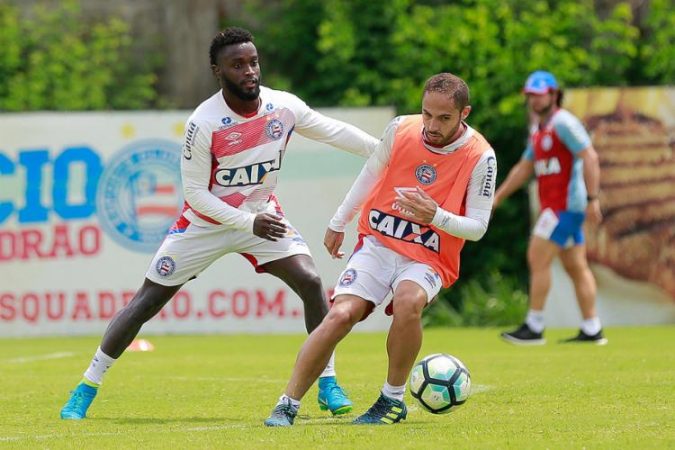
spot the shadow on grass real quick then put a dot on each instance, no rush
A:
(161, 420)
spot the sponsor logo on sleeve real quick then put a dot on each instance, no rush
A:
(487, 187)
(190, 137)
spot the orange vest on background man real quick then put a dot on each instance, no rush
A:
(444, 177)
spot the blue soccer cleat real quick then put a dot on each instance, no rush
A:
(282, 415)
(385, 411)
(332, 397)
(79, 401)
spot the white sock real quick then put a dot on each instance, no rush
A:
(395, 392)
(286, 399)
(535, 320)
(98, 366)
(591, 326)
(329, 371)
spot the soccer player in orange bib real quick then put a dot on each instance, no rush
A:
(426, 189)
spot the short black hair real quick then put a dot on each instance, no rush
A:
(451, 85)
(229, 36)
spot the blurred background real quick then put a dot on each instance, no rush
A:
(83, 82)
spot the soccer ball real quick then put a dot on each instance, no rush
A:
(440, 383)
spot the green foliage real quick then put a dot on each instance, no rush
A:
(495, 301)
(370, 52)
(492, 301)
(657, 50)
(56, 60)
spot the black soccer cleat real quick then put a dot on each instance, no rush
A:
(597, 339)
(385, 411)
(524, 336)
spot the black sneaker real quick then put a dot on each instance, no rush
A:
(524, 336)
(597, 339)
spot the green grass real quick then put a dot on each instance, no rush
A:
(215, 391)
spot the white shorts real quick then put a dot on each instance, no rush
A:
(374, 271)
(184, 255)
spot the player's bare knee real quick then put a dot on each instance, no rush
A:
(311, 288)
(341, 318)
(576, 271)
(533, 260)
(409, 306)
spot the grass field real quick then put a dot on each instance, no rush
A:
(215, 391)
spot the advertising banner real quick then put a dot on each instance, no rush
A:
(86, 199)
(633, 250)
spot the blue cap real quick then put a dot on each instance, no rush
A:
(540, 82)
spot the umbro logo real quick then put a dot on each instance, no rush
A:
(233, 138)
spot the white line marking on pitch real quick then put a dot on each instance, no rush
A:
(28, 359)
(235, 379)
(60, 436)
(480, 388)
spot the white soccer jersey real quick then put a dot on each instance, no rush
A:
(230, 163)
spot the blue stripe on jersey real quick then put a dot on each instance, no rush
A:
(576, 190)
(528, 154)
(573, 135)
(571, 131)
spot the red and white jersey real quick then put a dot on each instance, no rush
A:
(230, 163)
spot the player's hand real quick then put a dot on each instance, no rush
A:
(419, 203)
(333, 241)
(593, 212)
(269, 226)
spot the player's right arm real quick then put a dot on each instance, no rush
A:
(196, 176)
(361, 188)
(517, 176)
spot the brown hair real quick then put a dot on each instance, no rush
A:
(452, 85)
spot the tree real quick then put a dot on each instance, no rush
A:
(58, 61)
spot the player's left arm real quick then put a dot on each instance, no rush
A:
(314, 125)
(479, 197)
(575, 137)
(592, 181)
